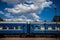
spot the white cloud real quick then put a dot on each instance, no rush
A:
(8, 15)
(20, 8)
(24, 9)
(22, 1)
(22, 17)
(21, 20)
(14, 2)
(35, 16)
(11, 1)
(12, 10)
(1, 12)
(46, 4)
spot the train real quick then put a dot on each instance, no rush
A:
(27, 28)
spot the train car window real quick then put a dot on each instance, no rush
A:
(7, 27)
(0, 27)
(57, 28)
(36, 28)
(42, 28)
(49, 28)
(14, 28)
(19, 28)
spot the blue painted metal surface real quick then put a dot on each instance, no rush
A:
(11, 30)
(34, 28)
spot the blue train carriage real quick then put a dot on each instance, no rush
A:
(45, 28)
(13, 28)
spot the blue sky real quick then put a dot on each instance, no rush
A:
(46, 14)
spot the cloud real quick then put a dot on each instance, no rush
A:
(20, 8)
(21, 20)
(26, 8)
(14, 2)
(1, 12)
(22, 17)
(8, 15)
(12, 10)
(34, 15)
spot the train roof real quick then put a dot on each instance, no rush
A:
(34, 22)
